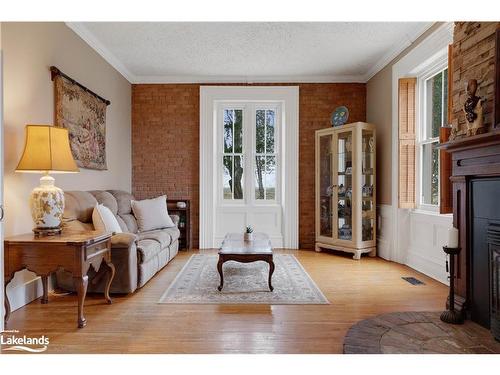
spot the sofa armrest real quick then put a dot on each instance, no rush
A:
(123, 239)
(124, 258)
(175, 219)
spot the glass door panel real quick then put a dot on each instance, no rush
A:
(325, 186)
(344, 180)
(368, 183)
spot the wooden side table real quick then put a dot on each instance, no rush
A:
(76, 252)
(185, 239)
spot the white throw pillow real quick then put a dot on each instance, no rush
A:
(152, 214)
(104, 220)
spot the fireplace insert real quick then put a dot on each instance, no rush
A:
(485, 254)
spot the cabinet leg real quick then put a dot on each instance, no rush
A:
(317, 249)
(45, 285)
(357, 254)
(81, 284)
(111, 275)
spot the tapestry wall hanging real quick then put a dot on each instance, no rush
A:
(83, 113)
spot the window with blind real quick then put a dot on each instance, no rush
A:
(420, 161)
(435, 116)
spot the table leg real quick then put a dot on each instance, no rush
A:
(6, 303)
(81, 284)
(111, 275)
(219, 268)
(271, 271)
(45, 284)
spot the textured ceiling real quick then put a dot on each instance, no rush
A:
(264, 51)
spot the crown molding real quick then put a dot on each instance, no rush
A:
(81, 30)
(248, 79)
(394, 52)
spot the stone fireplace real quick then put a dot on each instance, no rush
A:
(475, 176)
(476, 213)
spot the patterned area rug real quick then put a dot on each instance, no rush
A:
(243, 283)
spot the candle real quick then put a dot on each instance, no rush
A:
(452, 237)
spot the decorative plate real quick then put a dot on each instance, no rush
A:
(339, 116)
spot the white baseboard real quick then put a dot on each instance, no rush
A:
(420, 238)
(384, 231)
(427, 266)
(23, 289)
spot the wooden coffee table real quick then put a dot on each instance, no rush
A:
(234, 247)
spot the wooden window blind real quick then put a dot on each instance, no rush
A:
(407, 169)
(446, 194)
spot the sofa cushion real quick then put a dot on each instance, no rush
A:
(104, 220)
(123, 200)
(122, 224)
(164, 236)
(174, 233)
(79, 205)
(76, 225)
(147, 249)
(152, 214)
(106, 199)
(129, 221)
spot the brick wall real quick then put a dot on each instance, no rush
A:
(165, 141)
(473, 58)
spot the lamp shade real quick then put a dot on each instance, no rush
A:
(46, 150)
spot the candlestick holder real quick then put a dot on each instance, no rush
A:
(451, 315)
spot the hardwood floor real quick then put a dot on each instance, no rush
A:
(138, 324)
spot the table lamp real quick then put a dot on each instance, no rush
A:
(47, 151)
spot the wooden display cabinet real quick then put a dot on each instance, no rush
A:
(345, 189)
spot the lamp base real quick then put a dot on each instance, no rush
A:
(47, 205)
(452, 317)
(43, 232)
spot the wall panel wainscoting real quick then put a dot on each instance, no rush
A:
(428, 235)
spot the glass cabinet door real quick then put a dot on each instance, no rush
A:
(325, 186)
(368, 183)
(344, 181)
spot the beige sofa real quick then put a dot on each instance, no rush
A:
(137, 256)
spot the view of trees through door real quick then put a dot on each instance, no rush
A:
(261, 160)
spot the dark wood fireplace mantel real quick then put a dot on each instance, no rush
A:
(472, 158)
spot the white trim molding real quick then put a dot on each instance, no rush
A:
(403, 249)
(404, 43)
(88, 37)
(428, 232)
(384, 231)
(2, 266)
(288, 96)
(429, 49)
(406, 40)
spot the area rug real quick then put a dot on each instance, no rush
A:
(417, 333)
(244, 283)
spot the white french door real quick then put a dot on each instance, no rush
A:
(248, 169)
(262, 191)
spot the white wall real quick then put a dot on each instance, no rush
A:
(2, 312)
(29, 50)
(418, 236)
(410, 237)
